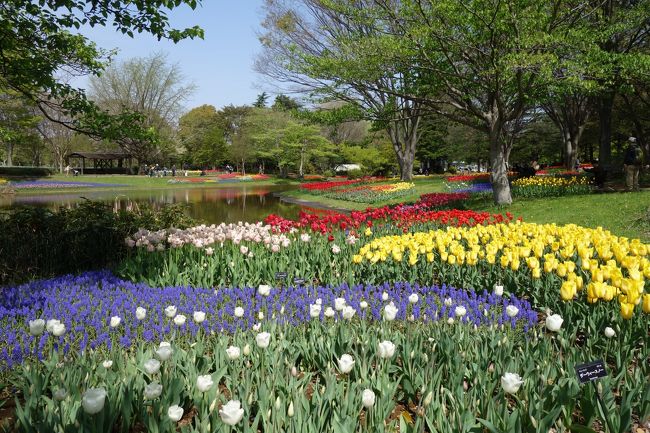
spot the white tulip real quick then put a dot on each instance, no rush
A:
(204, 383)
(164, 353)
(239, 312)
(498, 289)
(609, 332)
(247, 350)
(368, 398)
(512, 311)
(170, 311)
(260, 315)
(318, 301)
(363, 305)
(290, 411)
(305, 237)
(460, 311)
(450, 321)
(413, 298)
(36, 327)
(257, 327)
(115, 321)
(384, 296)
(231, 413)
(233, 352)
(175, 413)
(336, 249)
(263, 339)
(346, 362)
(264, 290)
(329, 312)
(58, 329)
(50, 324)
(511, 382)
(386, 349)
(314, 310)
(348, 312)
(107, 364)
(554, 322)
(294, 371)
(140, 313)
(199, 316)
(339, 304)
(152, 366)
(93, 400)
(448, 302)
(243, 249)
(60, 394)
(152, 390)
(179, 319)
(390, 312)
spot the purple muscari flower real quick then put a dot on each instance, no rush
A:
(86, 302)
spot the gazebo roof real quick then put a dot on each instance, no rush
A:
(100, 155)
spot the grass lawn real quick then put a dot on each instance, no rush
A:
(624, 214)
(141, 182)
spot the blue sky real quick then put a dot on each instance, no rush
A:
(220, 65)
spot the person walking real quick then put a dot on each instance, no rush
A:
(632, 165)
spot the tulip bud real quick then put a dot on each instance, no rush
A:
(278, 403)
(247, 350)
(290, 410)
(294, 371)
(428, 399)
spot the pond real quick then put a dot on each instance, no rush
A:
(209, 205)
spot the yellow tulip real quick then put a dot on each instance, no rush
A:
(568, 290)
(646, 303)
(627, 310)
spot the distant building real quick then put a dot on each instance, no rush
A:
(346, 167)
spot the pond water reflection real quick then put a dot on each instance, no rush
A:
(211, 205)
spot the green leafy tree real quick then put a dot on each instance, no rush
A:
(17, 123)
(325, 48)
(261, 100)
(201, 133)
(285, 103)
(39, 43)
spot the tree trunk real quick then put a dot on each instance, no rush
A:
(302, 162)
(605, 122)
(10, 153)
(570, 151)
(499, 169)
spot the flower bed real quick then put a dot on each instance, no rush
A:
(95, 298)
(548, 263)
(372, 193)
(380, 358)
(550, 186)
(225, 178)
(402, 215)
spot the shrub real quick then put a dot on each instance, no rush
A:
(37, 242)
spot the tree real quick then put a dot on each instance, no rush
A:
(260, 102)
(17, 122)
(57, 138)
(38, 44)
(296, 145)
(201, 133)
(319, 47)
(285, 103)
(149, 86)
(570, 113)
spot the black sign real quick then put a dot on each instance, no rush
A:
(299, 281)
(591, 371)
(280, 275)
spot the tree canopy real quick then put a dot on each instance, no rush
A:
(41, 46)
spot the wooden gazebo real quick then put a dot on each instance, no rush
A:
(102, 160)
